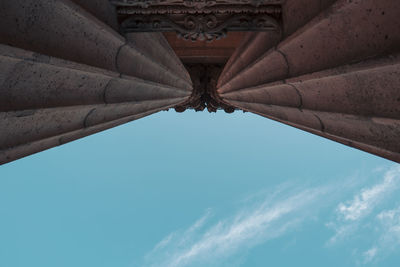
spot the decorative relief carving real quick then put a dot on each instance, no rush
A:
(200, 27)
(204, 95)
(274, 11)
(199, 19)
(199, 4)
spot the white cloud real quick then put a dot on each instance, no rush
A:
(370, 254)
(184, 237)
(390, 222)
(351, 213)
(249, 227)
(364, 202)
(210, 243)
(389, 235)
(365, 212)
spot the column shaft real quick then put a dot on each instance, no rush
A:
(63, 29)
(348, 31)
(357, 105)
(29, 81)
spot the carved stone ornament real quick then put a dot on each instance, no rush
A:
(201, 27)
(204, 95)
(199, 4)
(199, 19)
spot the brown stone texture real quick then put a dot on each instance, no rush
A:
(248, 51)
(62, 29)
(296, 13)
(150, 44)
(215, 52)
(348, 31)
(337, 76)
(66, 74)
(101, 9)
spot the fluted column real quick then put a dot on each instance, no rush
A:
(63, 29)
(65, 74)
(306, 80)
(101, 9)
(295, 14)
(357, 105)
(344, 33)
(44, 100)
(150, 44)
(253, 47)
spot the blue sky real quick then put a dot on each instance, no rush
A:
(200, 189)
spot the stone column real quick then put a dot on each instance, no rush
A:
(65, 74)
(63, 29)
(101, 9)
(295, 14)
(150, 44)
(253, 47)
(306, 81)
(44, 98)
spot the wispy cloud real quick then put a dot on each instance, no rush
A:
(364, 202)
(269, 215)
(370, 254)
(351, 213)
(389, 235)
(367, 209)
(390, 220)
(211, 242)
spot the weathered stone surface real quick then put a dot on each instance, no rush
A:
(63, 29)
(335, 73)
(346, 32)
(256, 73)
(150, 44)
(29, 82)
(310, 80)
(152, 70)
(76, 76)
(367, 89)
(21, 151)
(252, 48)
(21, 127)
(357, 105)
(101, 9)
(203, 52)
(376, 134)
(297, 13)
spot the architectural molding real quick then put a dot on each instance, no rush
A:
(199, 19)
(200, 27)
(198, 4)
